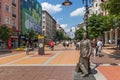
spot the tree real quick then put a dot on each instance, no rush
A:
(104, 6)
(114, 7)
(60, 35)
(79, 33)
(5, 33)
(95, 24)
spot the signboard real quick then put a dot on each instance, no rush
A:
(40, 37)
(31, 16)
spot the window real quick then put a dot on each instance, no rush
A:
(13, 10)
(96, 12)
(43, 27)
(96, 5)
(7, 8)
(7, 20)
(13, 1)
(13, 24)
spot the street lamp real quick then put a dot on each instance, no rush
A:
(68, 3)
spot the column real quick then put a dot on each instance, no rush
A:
(106, 37)
(111, 35)
(116, 35)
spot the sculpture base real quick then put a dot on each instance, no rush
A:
(77, 76)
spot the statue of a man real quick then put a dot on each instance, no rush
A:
(83, 65)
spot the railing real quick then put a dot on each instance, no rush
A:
(13, 4)
(14, 15)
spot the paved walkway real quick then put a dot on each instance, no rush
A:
(57, 65)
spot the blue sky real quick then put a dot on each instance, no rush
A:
(67, 17)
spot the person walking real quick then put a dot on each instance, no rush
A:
(27, 48)
(94, 45)
(118, 43)
(52, 45)
(99, 46)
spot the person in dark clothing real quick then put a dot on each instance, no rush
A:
(118, 43)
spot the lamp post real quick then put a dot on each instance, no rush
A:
(84, 60)
(68, 3)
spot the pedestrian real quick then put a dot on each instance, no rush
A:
(99, 46)
(109, 41)
(52, 45)
(78, 45)
(94, 45)
(64, 44)
(27, 48)
(118, 43)
(67, 43)
(83, 65)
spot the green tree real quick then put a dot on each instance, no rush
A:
(5, 33)
(114, 7)
(95, 24)
(104, 6)
(60, 35)
(79, 33)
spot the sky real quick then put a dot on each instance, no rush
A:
(67, 17)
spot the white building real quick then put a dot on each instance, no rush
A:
(48, 26)
(96, 7)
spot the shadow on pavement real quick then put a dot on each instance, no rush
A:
(115, 55)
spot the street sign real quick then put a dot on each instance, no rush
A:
(40, 36)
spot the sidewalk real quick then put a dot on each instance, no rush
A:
(108, 65)
(57, 65)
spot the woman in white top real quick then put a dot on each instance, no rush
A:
(99, 45)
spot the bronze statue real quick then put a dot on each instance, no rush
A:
(83, 65)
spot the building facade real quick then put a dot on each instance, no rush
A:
(48, 26)
(59, 28)
(9, 17)
(96, 7)
(22, 16)
(30, 15)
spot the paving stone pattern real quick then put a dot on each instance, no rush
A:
(37, 73)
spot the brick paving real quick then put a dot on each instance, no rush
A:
(110, 72)
(37, 73)
(56, 65)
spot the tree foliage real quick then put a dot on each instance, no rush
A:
(60, 35)
(79, 33)
(104, 6)
(5, 32)
(95, 24)
(114, 7)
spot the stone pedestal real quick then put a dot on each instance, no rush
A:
(77, 76)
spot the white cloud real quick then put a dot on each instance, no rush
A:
(51, 8)
(78, 12)
(65, 27)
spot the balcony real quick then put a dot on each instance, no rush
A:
(14, 15)
(13, 4)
